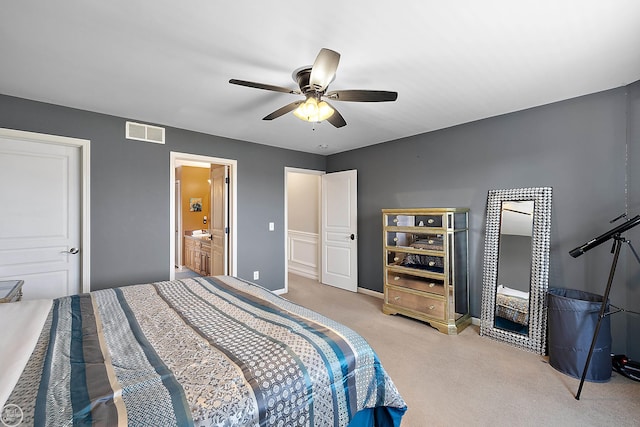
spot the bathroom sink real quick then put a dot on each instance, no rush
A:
(201, 235)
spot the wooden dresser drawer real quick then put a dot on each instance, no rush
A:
(415, 282)
(430, 306)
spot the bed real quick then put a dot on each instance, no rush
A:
(202, 351)
(512, 305)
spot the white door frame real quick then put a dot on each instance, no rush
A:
(233, 211)
(85, 214)
(286, 223)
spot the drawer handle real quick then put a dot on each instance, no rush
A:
(431, 307)
(432, 263)
(430, 221)
(431, 285)
(396, 278)
(396, 298)
(431, 242)
(396, 259)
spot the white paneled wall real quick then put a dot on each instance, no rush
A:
(303, 253)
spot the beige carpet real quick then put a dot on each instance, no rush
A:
(468, 379)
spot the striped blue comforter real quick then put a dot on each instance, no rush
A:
(206, 351)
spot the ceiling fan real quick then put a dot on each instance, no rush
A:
(313, 83)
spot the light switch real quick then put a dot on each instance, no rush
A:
(272, 226)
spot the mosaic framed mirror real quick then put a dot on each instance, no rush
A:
(516, 267)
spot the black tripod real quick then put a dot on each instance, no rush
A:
(614, 234)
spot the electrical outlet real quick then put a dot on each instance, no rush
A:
(256, 275)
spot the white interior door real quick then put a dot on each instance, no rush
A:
(219, 219)
(40, 236)
(339, 230)
(178, 223)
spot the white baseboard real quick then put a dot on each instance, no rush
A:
(303, 272)
(371, 293)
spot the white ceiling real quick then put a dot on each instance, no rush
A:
(451, 62)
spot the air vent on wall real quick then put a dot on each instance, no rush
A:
(142, 132)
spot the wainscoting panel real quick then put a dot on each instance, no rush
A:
(303, 253)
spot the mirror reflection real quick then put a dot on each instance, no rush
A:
(514, 266)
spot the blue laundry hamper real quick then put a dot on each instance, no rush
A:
(572, 318)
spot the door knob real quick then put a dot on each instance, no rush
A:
(71, 251)
(352, 237)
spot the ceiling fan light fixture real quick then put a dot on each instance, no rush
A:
(313, 111)
(313, 83)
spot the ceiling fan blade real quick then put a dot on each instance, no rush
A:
(284, 110)
(324, 69)
(362, 95)
(264, 86)
(336, 118)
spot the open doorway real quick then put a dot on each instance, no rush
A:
(302, 223)
(321, 227)
(214, 211)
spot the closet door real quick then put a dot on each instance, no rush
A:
(40, 241)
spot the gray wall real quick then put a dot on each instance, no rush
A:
(577, 147)
(514, 268)
(631, 281)
(130, 193)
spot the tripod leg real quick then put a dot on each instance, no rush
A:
(633, 250)
(601, 315)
